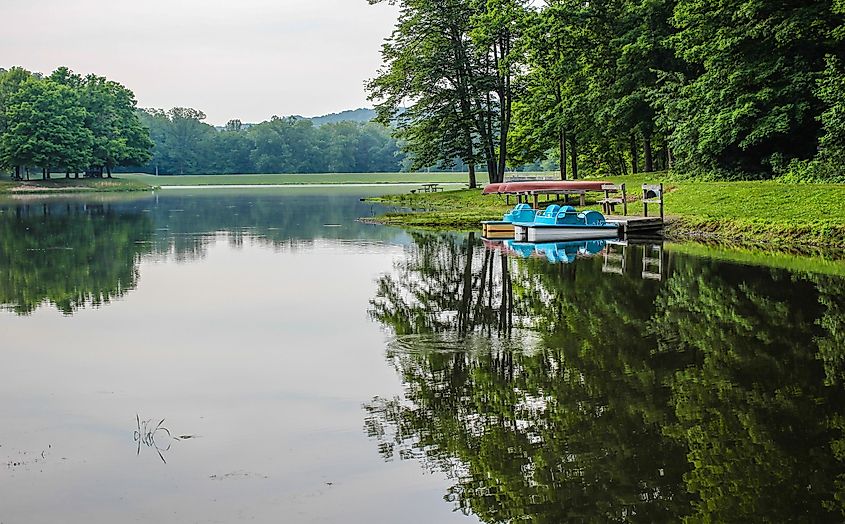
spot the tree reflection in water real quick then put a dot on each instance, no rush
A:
(714, 395)
(69, 254)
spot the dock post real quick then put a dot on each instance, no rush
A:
(624, 200)
(661, 202)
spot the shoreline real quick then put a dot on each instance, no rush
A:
(753, 214)
(63, 186)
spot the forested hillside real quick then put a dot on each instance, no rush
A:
(185, 144)
(728, 89)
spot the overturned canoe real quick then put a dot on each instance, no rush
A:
(546, 186)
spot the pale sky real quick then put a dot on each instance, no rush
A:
(247, 59)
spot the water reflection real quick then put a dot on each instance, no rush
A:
(684, 389)
(447, 284)
(73, 252)
(69, 254)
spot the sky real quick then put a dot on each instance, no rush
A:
(246, 59)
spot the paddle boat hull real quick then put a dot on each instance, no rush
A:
(543, 233)
(557, 224)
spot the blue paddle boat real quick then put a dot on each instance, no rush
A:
(558, 223)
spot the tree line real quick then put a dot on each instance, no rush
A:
(68, 122)
(185, 144)
(739, 88)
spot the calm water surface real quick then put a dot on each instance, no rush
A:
(220, 356)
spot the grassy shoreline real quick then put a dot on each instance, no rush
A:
(741, 213)
(72, 185)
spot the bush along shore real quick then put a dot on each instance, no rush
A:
(72, 185)
(744, 213)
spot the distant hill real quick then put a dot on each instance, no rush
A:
(352, 115)
(362, 114)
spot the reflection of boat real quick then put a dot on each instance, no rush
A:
(555, 252)
(558, 223)
(521, 249)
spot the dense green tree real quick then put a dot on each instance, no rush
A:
(68, 122)
(45, 126)
(10, 82)
(448, 80)
(752, 103)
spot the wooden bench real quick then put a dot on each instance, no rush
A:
(609, 203)
(652, 194)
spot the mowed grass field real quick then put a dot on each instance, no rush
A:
(297, 179)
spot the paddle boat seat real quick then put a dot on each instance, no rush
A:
(521, 213)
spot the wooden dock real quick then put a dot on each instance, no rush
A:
(633, 226)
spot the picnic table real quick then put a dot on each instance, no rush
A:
(431, 188)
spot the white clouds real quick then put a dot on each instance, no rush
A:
(248, 59)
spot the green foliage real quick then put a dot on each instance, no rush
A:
(45, 126)
(448, 80)
(68, 122)
(740, 88)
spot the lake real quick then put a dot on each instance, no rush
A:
(262, 355)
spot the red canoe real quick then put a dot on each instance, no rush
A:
(544, 185)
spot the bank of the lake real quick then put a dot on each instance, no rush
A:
(73, 185)
(297, 179)
(760, 212)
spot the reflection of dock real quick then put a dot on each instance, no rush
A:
(653, 261)
(616, 258)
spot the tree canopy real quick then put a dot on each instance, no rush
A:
(68, 122)
(737, 88)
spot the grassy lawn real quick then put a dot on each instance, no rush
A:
(281, 179)
(72, 185)
(739, 212)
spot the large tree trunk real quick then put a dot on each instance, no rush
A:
(17, 172)
(649, 158)
(471, 163)
(43, 173)
(561, 142)
(635, 159)
(108, 170)
(574, 153)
